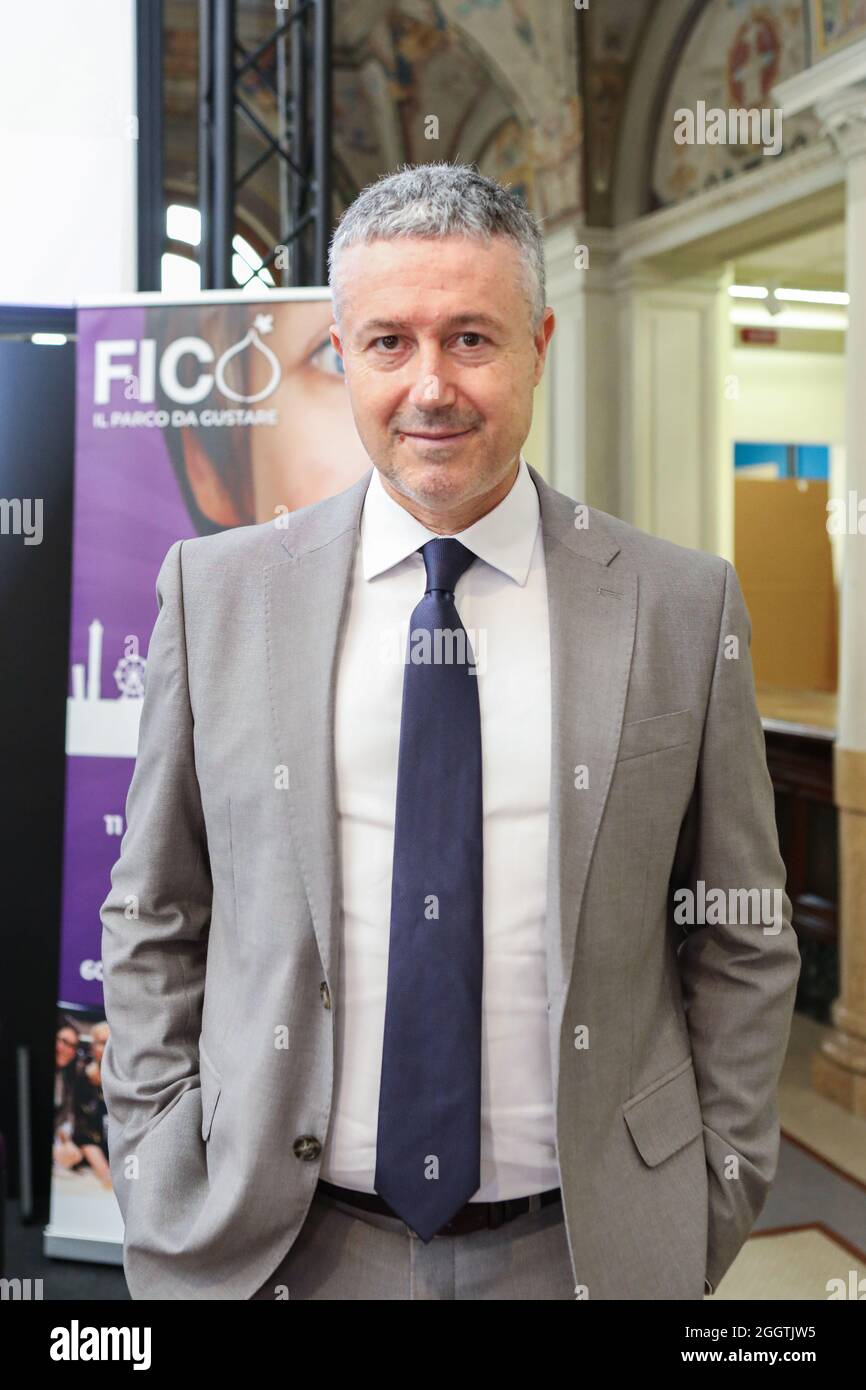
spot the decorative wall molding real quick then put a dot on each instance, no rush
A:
(843, 116)
(805, 173)
(822, 80)
(750, 195)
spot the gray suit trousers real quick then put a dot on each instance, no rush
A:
(341, 1254)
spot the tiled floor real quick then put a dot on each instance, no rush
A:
(813, 1228)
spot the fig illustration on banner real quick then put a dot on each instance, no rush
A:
(251, 341)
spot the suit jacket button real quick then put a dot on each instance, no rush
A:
(307, 1147)
(325, 993)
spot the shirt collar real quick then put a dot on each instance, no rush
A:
(504, 538)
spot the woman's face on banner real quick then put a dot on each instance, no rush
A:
(314, 450)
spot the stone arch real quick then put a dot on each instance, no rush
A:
(664, 40)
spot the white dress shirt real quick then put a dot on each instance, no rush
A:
(502, 603)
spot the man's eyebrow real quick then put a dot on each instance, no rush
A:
(456, 321)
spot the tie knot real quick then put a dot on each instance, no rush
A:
(445, 559)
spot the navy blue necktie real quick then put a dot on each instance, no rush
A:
(428, 1151)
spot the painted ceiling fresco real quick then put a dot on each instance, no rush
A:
(487, 81)
(733, 58)
(532, 91)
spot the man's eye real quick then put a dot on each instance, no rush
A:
(390, 340)
(327, 359)
(477, 336)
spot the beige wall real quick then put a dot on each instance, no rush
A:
(788, 397)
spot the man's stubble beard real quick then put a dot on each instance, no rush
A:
(478, 478)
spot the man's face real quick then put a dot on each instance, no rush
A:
(441, 361)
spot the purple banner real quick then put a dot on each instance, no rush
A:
(190, 419)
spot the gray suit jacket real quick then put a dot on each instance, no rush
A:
(220, 940)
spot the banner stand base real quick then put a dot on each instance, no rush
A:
(57, 1245)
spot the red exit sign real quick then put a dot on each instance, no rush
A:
(767, 336)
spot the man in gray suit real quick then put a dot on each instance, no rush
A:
(448, 953)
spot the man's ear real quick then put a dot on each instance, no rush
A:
(211, 495)
(542, 341)
(337, 344)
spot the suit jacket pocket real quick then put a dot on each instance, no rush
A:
(211, 1086)
(652, 735)
(665, 1116)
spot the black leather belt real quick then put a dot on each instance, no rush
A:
(472, 1216)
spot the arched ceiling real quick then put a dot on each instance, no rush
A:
(571, 107)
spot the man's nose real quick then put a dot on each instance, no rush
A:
(432, 387)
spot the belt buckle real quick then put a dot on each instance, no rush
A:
(496, 1215)
(501, 1211)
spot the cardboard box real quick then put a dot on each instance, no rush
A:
(783, 559)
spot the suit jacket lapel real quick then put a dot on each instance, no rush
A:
(306, 589)
(592, 626)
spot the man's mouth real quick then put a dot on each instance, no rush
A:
(436, 436)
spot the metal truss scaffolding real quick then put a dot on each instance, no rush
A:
(293, 61)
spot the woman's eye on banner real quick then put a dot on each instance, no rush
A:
(326, 359)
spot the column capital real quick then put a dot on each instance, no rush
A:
(680, 277)
(843, 119)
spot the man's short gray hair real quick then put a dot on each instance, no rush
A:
(438, 200)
